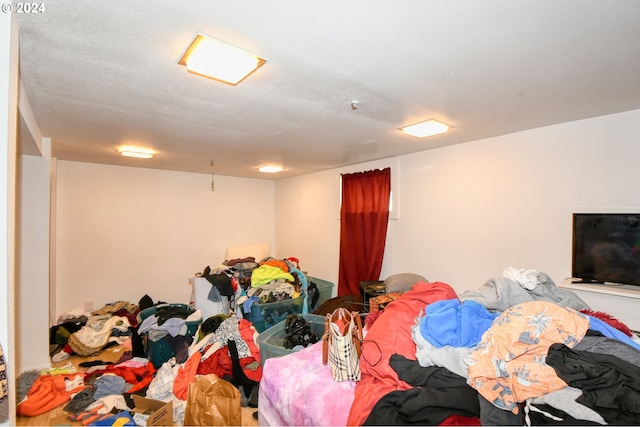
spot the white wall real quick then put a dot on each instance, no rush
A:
(123, 232)
(32, 262)
(8, 132)
(470, 210)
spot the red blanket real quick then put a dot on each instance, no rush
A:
(390, 334)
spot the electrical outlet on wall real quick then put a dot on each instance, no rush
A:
(88, 306)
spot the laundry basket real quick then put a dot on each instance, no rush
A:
(158, 352)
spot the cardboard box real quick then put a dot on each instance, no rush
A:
(157, 412)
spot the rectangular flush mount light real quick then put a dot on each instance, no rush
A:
(141, 153)
(424, 129)
(218, 60)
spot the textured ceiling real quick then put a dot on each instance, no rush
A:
(100, 74)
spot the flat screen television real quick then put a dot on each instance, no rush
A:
(606, 248)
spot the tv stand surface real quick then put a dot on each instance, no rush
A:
(573, 280)
(609, 288)
(620, 301)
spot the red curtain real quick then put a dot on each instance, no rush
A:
(363, 227)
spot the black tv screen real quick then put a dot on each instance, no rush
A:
(606, 248)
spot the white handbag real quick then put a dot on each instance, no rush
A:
(341, 347)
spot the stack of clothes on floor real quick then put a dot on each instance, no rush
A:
(83, 333)
(517, 351)
(97, 390)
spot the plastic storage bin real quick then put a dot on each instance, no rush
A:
(264, 316)
(271, 341)
(160, 351)
(325, 290)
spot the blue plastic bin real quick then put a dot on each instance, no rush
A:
(271, 342)
(160, 351)
(264, 316)
(325, 290)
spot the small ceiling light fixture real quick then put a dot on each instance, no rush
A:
(218, 60)
(270, 169)
(141, 153)
(424, 129)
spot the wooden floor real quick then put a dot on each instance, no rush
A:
(57, 416)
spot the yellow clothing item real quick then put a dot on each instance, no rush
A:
(266, 273)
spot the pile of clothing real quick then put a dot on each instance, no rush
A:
(240, 283)
(275, 280)
(97, 390)
(88, 394)
(85, 334)
(167, 323)
(516, 351)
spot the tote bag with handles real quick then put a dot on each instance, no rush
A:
(342, 342)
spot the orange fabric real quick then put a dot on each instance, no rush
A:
(277, 263)
(186, 375)
(46, 393)
(392, 334)
(516, 342)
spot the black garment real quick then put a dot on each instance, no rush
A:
(239, 377)
(115, 332)
(165, 313)
(180, 346)
(298, 332)
(314, 295)
(610, 386)
(91, 363)
(491, 415)
(137, 346)
(439, 393)
(222, 282)
(59, 334)
(212, 324)
(145, 302)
